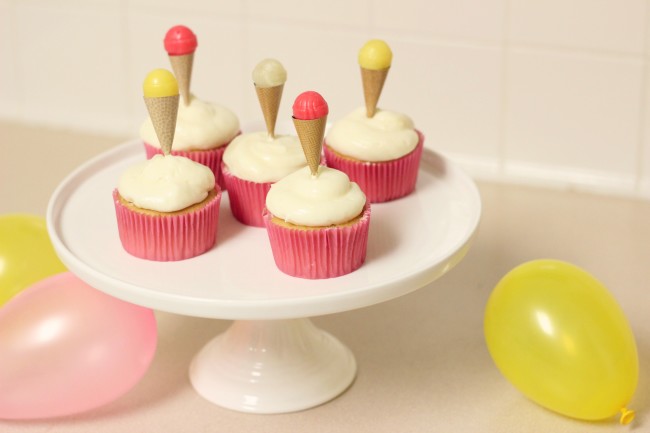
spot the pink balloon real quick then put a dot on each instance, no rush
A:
(67, 348)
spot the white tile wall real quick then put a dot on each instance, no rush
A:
(574, 114)
(70, 62)
(10, 100)
(473, 20)
(339, 13)
(609, 25)
(455, 99)
(544, 91)
(181, 9)
(644, 151)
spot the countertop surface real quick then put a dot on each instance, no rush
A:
(423, 365)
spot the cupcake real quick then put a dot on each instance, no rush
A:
(378, 149)
(316, 218)
(254, 161)
(203, 129)
(167, 207)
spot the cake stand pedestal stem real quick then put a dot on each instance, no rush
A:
(272, 366)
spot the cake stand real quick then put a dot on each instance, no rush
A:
(272, 359)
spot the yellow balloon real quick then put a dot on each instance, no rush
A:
(26, 254)
(559, 336)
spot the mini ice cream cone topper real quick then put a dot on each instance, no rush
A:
(180, 44)
(375, 58)
(310, 117)
(269, 77)
(161, 97)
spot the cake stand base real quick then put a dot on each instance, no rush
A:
(272, 366)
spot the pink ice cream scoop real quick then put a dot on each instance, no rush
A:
(310, 117)
(310, 105)
(180, 40)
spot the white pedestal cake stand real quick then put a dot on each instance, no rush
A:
(272, 359)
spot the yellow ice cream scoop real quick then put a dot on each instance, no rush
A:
(161, 97)
(375, 55)
(160, 83)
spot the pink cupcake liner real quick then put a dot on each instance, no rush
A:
(381, 181)
(247, 199)
(210, 158)
(319, 253)
(166, 238)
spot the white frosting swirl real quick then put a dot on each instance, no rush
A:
(200, 125)
(326, 199)
(257, 157)
(166, 183)
(386, 136)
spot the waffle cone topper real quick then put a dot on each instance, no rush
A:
(375, 58)
(180, 44)
(161, 97)
(269, 77)
(310, 117)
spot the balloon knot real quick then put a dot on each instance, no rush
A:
(627, 416)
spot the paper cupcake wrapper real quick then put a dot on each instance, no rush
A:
(210, 158)
(166, 238)
(381, 181)
(247, 199)
(319, 253)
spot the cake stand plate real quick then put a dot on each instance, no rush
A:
(272, 359)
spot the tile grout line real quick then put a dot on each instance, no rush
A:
(127, 70)
(643, 109)
(20, 113)
(371, 28)
(245, 47)
(505, 61)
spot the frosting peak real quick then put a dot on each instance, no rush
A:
(329, 198)
(166, 183)
(386, 136)
(257, 157)
(200, 125)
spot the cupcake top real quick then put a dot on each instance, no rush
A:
(200, 125)
(166, 183)
(257, 157)
(328, 198)
(386, 136)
